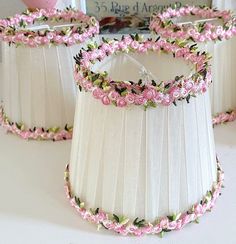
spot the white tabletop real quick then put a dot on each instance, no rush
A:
(33, 207)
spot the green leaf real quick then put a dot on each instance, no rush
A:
(123, 93)
(136, 37)
(197, 221)
(138, 223)
(18, 125)
(188, 98)
(154, 83)
(116, 218)
(77, 200)
(124, 220)
(162, 234)
(95, 77)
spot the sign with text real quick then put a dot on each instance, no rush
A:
(142, 8)
(130, 16)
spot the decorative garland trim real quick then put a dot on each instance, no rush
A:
(54, 134)
(145, 92)
(18, 30)
(139, 227)
(224, 117)
(200, 31)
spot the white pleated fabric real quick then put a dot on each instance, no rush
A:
(223, 93)
(223, 90)
(140, 163)
(38, 88)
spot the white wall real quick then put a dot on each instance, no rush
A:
(10, 7)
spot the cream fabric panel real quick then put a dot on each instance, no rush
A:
(142, 163)
(38, 88)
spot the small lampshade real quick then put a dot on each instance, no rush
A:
(215, 32)
(138, 163)
(38, 88)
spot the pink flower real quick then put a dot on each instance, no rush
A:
(186, 219)
(228, 34)
(88, 86)
(45, 40)
(166, 100)
(164, 223)
(58, 39)
(77, 37)
(130, 98)
(179, 225)
(183, 92)
(25, 134)
(140, 100)
(121, 102)
(134, 44)
(122, 45)
(113, 95)
(157, 229)
(38, 131)
(106, 100)
(174, 92)
(198, 210)
(109, 224)
(172, 225)
(50, 35)
(202, 38)
(214, 36)
(71, 41)
(149, 94)
(97, 93)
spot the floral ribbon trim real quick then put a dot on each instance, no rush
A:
(20, 29)
(139, 227)
(223, 118)
(54, 134)
(199, 31)
(145, 92)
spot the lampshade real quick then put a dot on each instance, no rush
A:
(38, 90)
(214, 31)
(141, 163)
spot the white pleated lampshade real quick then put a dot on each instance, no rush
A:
(37, 85)
(222, 49)
(226, 58)
(138, 163)
(223, 89)
(38, 89)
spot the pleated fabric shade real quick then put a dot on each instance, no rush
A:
(38, 90)
(38, 86)
(138, 163)
(223, 90)
(218, 41)
(224, 65)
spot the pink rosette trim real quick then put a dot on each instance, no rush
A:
(19, 30)
(163, 24)
(139, 227)
(54, 133)
(147, 93)
(224, 117)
